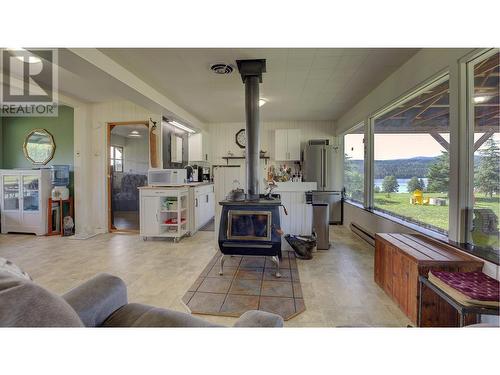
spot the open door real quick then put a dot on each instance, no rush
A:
(128, 145)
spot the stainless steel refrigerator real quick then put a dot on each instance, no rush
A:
(322, 164)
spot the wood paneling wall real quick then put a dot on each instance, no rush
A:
(222, 136)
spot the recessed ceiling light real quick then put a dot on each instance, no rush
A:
(134, 132)
(481, 99)
(262, 102)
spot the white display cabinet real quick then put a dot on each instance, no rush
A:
(24, 195)
(164, 212)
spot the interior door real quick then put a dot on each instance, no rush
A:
(11, 205)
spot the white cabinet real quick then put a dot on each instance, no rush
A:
(198, 148)
(204, 205)
(164, 212)
(24, 198)
(287, 144)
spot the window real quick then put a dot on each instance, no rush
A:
(484, 114)
(411, 161)
(116, 158)
(354, 164)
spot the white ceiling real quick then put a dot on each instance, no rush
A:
(124, 130)
(300, 84)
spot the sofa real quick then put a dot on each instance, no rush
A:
(127, 197)
(99, 302)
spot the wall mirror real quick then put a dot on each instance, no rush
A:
(39, 146)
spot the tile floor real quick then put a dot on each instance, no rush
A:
(337, 284)
(248, 283)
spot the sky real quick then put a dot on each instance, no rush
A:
(398, 146)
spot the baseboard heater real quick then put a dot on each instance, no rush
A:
(363, 233)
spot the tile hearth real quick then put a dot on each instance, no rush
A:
(248, 283)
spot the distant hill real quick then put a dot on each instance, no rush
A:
(401, 168)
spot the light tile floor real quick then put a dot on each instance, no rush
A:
(337, 284)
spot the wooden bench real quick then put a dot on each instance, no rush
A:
(399, 261)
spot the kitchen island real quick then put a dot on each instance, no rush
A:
(175, 210)
(299, 218)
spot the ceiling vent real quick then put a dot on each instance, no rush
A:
(221, 68)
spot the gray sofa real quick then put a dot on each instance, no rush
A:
(98, 302)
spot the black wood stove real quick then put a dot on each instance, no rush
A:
(251, 226)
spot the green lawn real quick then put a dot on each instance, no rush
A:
(437, 216)
(399, 203)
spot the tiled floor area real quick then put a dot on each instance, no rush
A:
(337, 284)
(247, 283)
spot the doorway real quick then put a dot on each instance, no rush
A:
(128, 164)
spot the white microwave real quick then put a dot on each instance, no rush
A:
(166, 177)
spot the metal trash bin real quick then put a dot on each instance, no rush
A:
(321, 223)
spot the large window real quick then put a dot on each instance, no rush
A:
(116, 158)
(354, 164)
(485, 112)
(411, 161)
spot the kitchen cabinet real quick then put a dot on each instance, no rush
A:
(287, 144)
(204, 205)
(198, 148)
(24, 196)
(164, 212)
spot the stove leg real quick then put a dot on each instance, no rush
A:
(221, 261)
(276, 261)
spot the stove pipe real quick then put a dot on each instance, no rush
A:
(251, 74)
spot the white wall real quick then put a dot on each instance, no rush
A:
(135, 153)
(222, 136)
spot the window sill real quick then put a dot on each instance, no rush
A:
(486, 255)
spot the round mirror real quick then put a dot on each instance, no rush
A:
(39, 146)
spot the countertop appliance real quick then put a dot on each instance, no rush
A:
(166, 177)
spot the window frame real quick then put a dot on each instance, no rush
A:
(113, 158)
(470, 64)
(434, 80)
(359, 125)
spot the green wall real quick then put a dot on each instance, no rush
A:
(14, 130)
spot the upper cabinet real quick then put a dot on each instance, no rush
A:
(287, 144)
(198, 147)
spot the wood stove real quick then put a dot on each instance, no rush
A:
(251, 226)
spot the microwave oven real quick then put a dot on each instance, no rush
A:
(166, 177)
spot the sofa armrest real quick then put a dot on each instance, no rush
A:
(97, 298)
(256, 318)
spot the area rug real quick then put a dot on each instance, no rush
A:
(248, 283)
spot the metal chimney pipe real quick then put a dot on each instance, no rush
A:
(253, 135)
(251, 74)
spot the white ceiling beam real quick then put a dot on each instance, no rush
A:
(112, 68)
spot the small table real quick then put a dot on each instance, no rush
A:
(461, 309)
(61, 203)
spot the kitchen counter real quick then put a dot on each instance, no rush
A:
(187, 184)
(295, 186)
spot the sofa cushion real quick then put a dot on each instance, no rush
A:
(12, 268)
(25, 304)
(139, 315)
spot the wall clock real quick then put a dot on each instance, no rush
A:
(241, 138)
